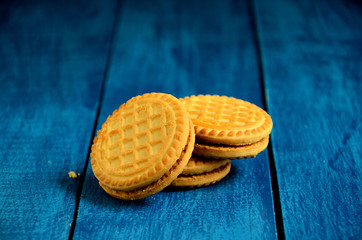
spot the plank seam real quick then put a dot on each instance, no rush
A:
(115, 23)
(273, 173)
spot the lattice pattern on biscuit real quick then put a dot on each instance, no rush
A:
(223, 112)
(227, 120)
(140, 141)
(161, 183)
(136, 136)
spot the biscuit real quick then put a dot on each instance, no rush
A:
(160, 184)
(216, 151)
(227, 120)
(197, 165)
(203, 179)
(143, 146)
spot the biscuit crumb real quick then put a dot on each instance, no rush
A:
(72, 174)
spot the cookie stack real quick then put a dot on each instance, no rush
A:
(226, 128)
(149, 142)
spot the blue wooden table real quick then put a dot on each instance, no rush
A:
(66, 65)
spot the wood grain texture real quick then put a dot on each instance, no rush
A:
(183, 48)
(312, 57)
(52, 61)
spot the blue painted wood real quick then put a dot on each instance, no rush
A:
(312, 57)
(183, 48)
(52, 61)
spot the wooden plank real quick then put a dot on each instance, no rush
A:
(313, 70)
(52, 61)
(183, 48)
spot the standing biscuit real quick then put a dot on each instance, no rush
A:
(143, 146)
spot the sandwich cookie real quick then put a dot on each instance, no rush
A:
(217, 151)
(202, 172)
(143, 146)
(226, 127)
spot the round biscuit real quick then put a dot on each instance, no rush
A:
(140, 142)
(227, 120)
(201, 180)
(161, 183)
(198, 165)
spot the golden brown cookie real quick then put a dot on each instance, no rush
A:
(203, 179)
(160, 184)
(143, 146)
(198, 165)
(215, 151)
(227, 120)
